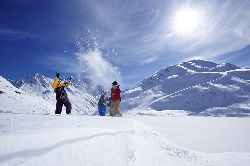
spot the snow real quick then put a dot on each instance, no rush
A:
(35, 139)
(204, 134)
(230, 88)
(80, 93)
(31, 134)
(16, 101)
(196, 86)
(172, 76)
(239, 80)
(152, 112)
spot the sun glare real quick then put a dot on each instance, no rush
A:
(186, 21)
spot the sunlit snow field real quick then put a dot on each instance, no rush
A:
(205, 134)
(36, 139)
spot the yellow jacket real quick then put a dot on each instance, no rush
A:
(57, 83)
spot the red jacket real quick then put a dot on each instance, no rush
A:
(115, 94)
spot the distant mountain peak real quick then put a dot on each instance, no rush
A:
(194, 85)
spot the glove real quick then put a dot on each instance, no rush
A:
(57, 75)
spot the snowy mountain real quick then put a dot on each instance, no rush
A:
(197, 86)
(39, 86)
(31, 134)
(14, 100)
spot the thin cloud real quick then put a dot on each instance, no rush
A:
(225, 27)
(145, 29)
(123, 28)
(16, 35)
(150, 60)
(61, 63)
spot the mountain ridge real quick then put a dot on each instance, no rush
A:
(39, 86)
(196, 86)
(191, 86)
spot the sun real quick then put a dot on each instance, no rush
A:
(186, 21)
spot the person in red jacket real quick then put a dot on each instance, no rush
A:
(115, 100)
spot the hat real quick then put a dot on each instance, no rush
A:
(115, 83)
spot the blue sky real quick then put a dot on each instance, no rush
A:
(135, 37)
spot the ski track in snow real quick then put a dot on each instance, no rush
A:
(185, 89)
(31, 136)
(90, 140)
(41, 151)
(190, 86)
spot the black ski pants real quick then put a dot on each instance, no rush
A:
(59, 105)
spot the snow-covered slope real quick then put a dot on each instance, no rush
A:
(36, 84)
(196, 86)
(15, 100)
(31, 134)
(39, 86)
(96, 141)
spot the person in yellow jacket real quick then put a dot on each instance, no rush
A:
(61, 95)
